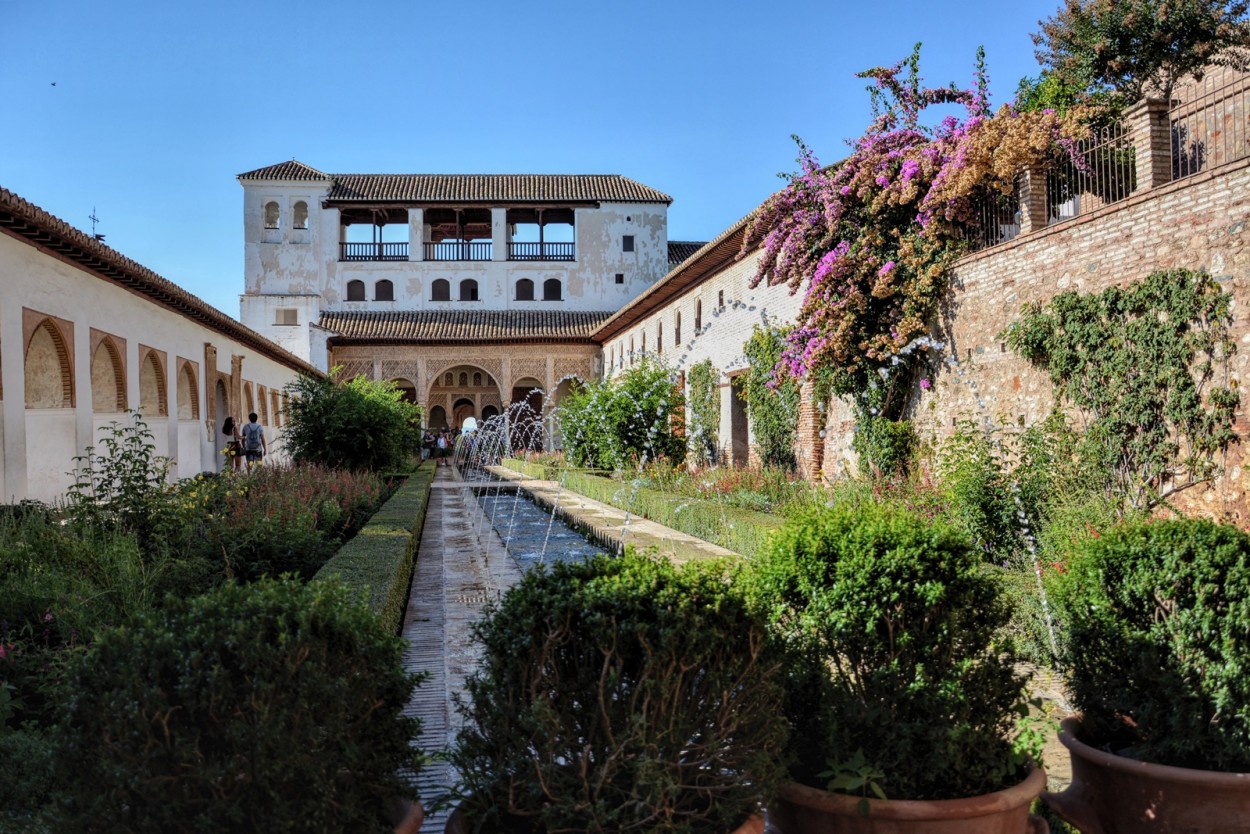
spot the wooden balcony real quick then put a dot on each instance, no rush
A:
(373, 251)
(458, 251)
(541, 251)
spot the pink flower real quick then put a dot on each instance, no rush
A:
(925, 384)
(886, 269)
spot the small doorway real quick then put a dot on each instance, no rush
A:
(739, 445)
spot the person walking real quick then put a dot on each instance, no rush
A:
(234, 446)
(254, 441)
(442, 448)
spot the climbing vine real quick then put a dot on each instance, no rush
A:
(705, 412)
(772, 397)
(871, 240)
(1139, 366)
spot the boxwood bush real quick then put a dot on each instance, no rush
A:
(888, 622)
(1158, 655)
(379, 559)
(264, 707)
(620, 695)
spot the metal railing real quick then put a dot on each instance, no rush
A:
(1097, 171)
(458, 251)
(541, 251)
(373, 251)
(1211, 126)
(996, 219)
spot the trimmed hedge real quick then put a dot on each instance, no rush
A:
(380, 557)
(745, 532)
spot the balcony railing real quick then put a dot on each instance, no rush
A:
(541, 251)
(373, 251)
(458, 251)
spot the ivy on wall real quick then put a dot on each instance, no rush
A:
(772, 398)
(1139, 365)
(704, 403)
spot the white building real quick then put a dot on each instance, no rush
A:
(87, 334)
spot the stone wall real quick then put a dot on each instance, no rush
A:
(1195, 223)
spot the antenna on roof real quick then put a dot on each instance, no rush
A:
(94, 220)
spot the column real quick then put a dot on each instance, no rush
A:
(498, 234)
(1148, 122)
(1031, 190)
(416, 234)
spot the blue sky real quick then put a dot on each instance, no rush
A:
(158, 105)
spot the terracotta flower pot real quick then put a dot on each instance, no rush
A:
(1112, 794)
(408, 816)
(456, 824)
(803, 810)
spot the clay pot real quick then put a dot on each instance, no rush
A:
(803, 810)
(1111, 794)
(408, 816)
(456, 824)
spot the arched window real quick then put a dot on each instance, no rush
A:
(188, 401)
(108, 378)
(277, 412)
(677, 329)
(644, 341)
(384, 290)
(490, 380)
(299, 216)
(271, 214)
(464, 380)
(477, 380)
(355, 290)
(698, 316)
(631, 351)
(264, 405)
(440, 290)
(525, 290)
(152, 397)
(468, 290)
(49, 378)
(612, 357)
(551, 289)
(659, 337)
(449, 379)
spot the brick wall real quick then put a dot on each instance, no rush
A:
(1195, 223)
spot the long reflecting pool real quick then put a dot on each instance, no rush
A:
(530, 532)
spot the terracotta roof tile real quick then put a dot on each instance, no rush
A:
(25, 220)
(292, 170)
(680, 250)
(462, 326)
(492, 188)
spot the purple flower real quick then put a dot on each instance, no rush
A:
(886, 269)
(925, 384)
(883, 180)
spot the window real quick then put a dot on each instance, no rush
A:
(355, 290)
(698, 316)
(286, 316)
(464, 379)
(644, 341)
(477, 380)
(440, 290)
(631, 351)
(620, 277)
(468, 290)
(384, 290)
(659, 337)
(720, 299)
(299, 217)
(525, 290)
(271, 214)
(627, 243)
(449, 380)
(551, 289)
(677, 329)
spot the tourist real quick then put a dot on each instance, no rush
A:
(427, 445)
(442, 448)
(234, 447)
(254, 441)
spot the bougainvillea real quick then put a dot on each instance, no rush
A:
(870, 241)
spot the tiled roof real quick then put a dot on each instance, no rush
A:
(680, 250)
(26, 221)
(492, 188)
(292, 170)
(462, 326)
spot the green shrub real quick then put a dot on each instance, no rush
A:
(624, 421)
(266, 707)
(772, 399)
(1158, 615)
(704, 421)
(621, 695)
(380, 558)
(358, 424)
(903, 615)
(29, 784)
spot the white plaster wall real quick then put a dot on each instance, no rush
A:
(39, 454)
(260, 313)
(725, 328)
